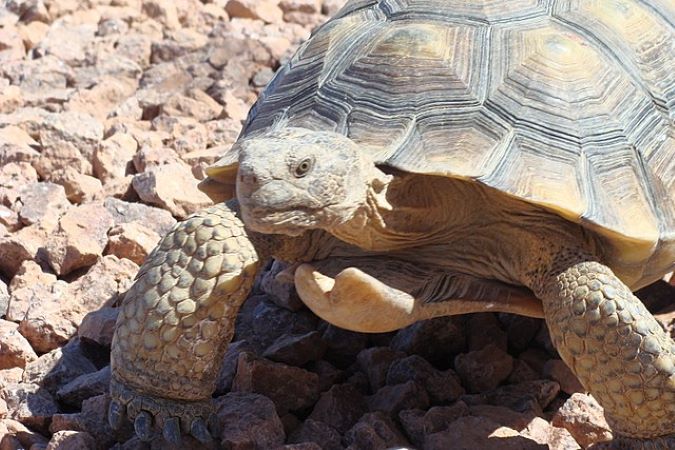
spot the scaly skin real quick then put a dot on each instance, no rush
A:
(177, 320)
(616, 348)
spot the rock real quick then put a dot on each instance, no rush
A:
(520, 330)
(56, 368)
(484, 329)
(195, 103)
(296, 350)
(584, 419)
(442, 386)
(248, 421)
(418, 423)
(46, 323)
(485, 369)
(30, 404)
(529, 396)
(542, 432)
(13, 177)
(479, 432)
(436, 340)
(340, 407)
(331, 7)
(290, 388)
(502, 415)
(71, 440)
(163, 11)
(112, 159)
(103, 285)
(328, 374)
(229, 367)
(172, 187)
(19, 247)
(24, 438)
(179, 43)
(11, 45)
(93, 420)
(15, 351)
(83, 387)
(42, 203)
(343, 345)
(282, 294)
(75, 128)
(374, 430)
(325, 436)
(4, 299)
(156, 219)
(132, 241)
(81, 238)
(265, 10)
(11, 99)
(557, 370)
(393, 399)
(98, 326)
(522, 372)
(80, 188)
(375, 363)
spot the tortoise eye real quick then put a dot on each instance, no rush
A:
(303, 167)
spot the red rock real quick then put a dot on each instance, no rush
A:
(23, 437)
(340, 407)
(442, 386)
(70, 127)
(248, 421)
(80, 188)
(480, 433)
(132, 241)
(375, 363)
(393, 399)
(484, 329)
(19, 247)
(325, 436)
(375, 430)
(484, 369)
(584, 419)
(436, 340)
(15, 351)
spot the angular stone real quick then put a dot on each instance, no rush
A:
(4, 299)
(290, 388)
(522, 372)
(103, 285)
(113, 157)
(132, 241)
(529, 396)
(98, 326)
(282, 294)
(375, 430)
(375, 363)
(328, 374)
(46, 323)
(158, 220)
(542, 432)
(265, 10)
(436, 340)
(484, 369)
(79, 129)
(296, 350)
(343, 345)
(248, 421)
(80, 188)
(71, 440)
(228, 369)
(23, 438)
(30, 404)
(13, 177)
(479, 432)
(93, 420)
(442, 386)
(19, 247)
(393, 399)
(15, 351)
(557, 370)
(42, 202)
(520, 330)
(83, 387)
(195, 103)
(503, 416)
(171, 187)
(583, 417)
(418, 423)
(340, 407)
(325, 436)
(484, 329)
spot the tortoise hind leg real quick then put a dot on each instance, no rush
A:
(175, 324)
(616, 348)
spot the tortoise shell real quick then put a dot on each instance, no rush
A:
(568, 104)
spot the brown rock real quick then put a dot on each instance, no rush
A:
(11, 45)
(374, 430)
(484, 329)
(68, 42)
(171, 187)
(375, 363)
(557, 370)
(136, 47)
(290, 388)
(340, 407)
(520, 330)
(436, 340)
(13, 177)
(248, 421)
(103, 284)
(442, 386)
(266, 10)
(484, 369)
(393, 399)
(46, 324)
(79, 129)
(11, 98)
(527, 397)
(150, 157)
(542, 432)
(60, 157)
(32, 33)
(343, 345)
(583, 417)
(21, 437)
(479, 432)
(228, 368)
(42, 203)
(93, 420)
(522, 372)
(80, 188)
(15, 351)
(81, 238)
(132, 241)
(418, 423)
(325, 436)
(29, 404)
(71, 440)
(296, 350)
(115, 84)
(503, 416)
(195, 103)
(164, 12)
(19, 247)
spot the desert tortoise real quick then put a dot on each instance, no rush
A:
(431, 158)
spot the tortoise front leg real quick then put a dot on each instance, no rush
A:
(615, 347)
(176, 321)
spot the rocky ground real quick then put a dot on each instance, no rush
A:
(109, 112)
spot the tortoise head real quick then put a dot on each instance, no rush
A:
(295, 179)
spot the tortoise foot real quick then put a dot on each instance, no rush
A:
(154, 416)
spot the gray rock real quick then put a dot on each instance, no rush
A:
(343, 345)
(98, 326)
(158, 220)
(418, 423)
(442, 386)
(530, 396)
(282, 294)
(296, 350)
(320, 433)
(375, 363)
(84, 387)
(229, 367)
(30, 404)
(374, 430)
(437, 340)
(393, 399)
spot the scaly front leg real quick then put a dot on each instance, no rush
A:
(177, 320)
(615, 347)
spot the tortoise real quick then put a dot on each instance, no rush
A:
(422, 158)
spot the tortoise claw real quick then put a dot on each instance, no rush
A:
(171, 431)
(143, 426)
(116, 415)
(200, 432)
